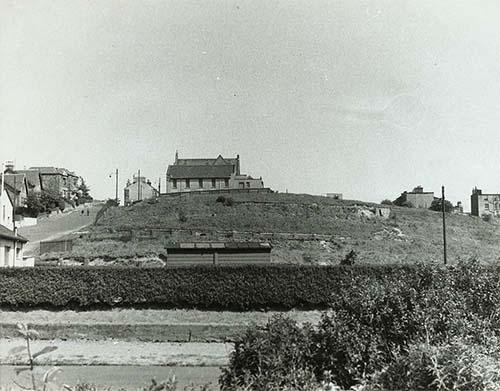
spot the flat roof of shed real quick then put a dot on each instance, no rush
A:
(220, 245)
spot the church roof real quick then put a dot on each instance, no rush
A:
(200, 171)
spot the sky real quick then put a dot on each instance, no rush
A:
(362, 97)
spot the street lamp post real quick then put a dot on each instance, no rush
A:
(116, 184)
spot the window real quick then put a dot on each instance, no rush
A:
(213, 182)
(200, 183)
(174, 183)
(226, 182)
(248, 184)
(188, 183)
(241, 185)
(487, 206)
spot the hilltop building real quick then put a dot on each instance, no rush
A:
(484, 204)
(59, 180)
(138, 189)
(417, 198)
(187, 175)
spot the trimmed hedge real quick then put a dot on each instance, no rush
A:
(229, 287)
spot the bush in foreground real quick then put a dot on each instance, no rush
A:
(384, 326)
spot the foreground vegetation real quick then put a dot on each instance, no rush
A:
(386, 328)
(436, 331)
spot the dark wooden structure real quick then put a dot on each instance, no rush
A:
(220, 253)
(56, 246)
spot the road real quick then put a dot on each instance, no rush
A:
(57, 226)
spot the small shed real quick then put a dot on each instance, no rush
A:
(218, 253)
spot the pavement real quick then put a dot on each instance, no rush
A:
(114, 352)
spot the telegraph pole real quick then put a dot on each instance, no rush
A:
(138, 185)
(116, 189)
(444, 224)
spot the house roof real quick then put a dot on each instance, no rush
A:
(202, 171)
(32, 176)
(11, 192)
(50, 170)
(16, 181)
(220, 245)
(6, 233)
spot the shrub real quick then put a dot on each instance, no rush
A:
(488, 217)
(457, 366)
(275, 356)
(377, 318)
(229, 201)
(221, 199)
(182, 216)
(386, 202)
(436, 205)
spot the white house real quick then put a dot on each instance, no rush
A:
(11, 244)
(139, 189)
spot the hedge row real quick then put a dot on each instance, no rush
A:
(230, 288)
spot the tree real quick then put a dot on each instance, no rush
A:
(34, 205)
(401, 201)
(83, 193)
(386, 202)
(437, 205)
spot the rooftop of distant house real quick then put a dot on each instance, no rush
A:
(419, 190)
(53, 171)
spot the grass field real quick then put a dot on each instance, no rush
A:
(408, 235)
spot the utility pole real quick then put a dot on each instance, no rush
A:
(159, 185)
(444, 224)
(138, 185)
(116, 189)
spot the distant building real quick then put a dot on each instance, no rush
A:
(138, 189)
(483, 204)
(187, 175)
(59, 180)
(459, 208)
(417, 198)
(335, 196)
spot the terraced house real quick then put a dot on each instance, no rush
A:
(193, 174)
(11, 244)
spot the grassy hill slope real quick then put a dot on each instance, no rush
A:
(407, 235)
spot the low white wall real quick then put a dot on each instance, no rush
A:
(26, 222)
(25, 262)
